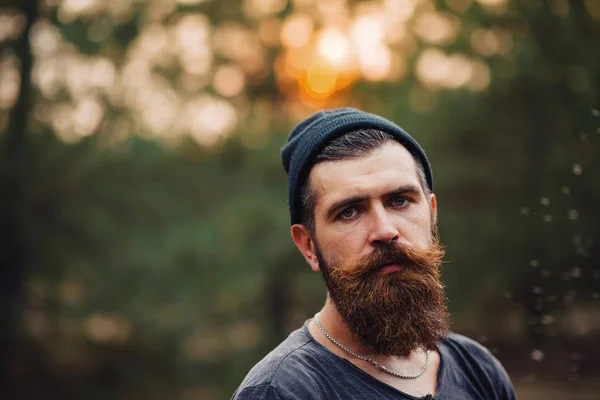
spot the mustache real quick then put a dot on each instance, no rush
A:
(412, 258)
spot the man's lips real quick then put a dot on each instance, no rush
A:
(389, 268)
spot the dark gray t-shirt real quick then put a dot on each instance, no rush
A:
(302, 368)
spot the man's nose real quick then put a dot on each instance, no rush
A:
(383, 229)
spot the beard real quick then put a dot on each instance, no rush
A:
(396, 313)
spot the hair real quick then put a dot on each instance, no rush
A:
(352, 145)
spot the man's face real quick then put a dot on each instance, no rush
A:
(375, 246)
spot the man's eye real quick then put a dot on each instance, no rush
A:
(399, 201)
(348, 213)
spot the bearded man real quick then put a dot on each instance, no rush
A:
(363, 214)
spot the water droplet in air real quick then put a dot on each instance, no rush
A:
(534, 263)
(525, 210)
(537, 355)
(573, 214)
(531, 377)
(536, 290)
(569, 297)
(576, 272)
(577, 356)
(577, 169)
(547, 218)
(574, 367)
(595, 295)
(547, 319)
(545, 201)
(595, 112)
(545, 273)
(507, 294)
(565, 190)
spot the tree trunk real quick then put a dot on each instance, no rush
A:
(13, 247)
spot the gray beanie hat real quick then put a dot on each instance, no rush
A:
(310, 136)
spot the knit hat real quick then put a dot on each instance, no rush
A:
(310, 136)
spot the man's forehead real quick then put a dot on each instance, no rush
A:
(391, 164)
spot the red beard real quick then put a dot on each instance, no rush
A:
(396, 313)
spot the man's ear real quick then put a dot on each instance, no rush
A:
(433, 206)
(304, 242)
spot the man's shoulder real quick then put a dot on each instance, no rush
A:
(458, 341)
(468, 360)
(463, 346)
(286, 365)
(281, 359)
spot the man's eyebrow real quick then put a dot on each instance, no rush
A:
(404, 189)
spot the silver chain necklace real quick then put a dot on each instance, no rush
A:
(370, 361)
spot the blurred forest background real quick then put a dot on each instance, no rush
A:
(145, 249)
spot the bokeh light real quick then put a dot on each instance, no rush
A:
(334, 47)
(316, 50)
